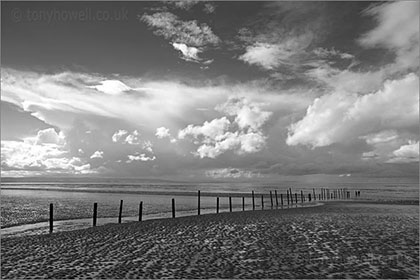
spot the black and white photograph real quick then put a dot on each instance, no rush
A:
(210, 139)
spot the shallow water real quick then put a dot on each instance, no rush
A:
(23, 204)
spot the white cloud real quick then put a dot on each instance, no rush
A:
(50, 136)
(369, 155)
(190, 33)
(398, 30)
(119, 135)
(140, 157)
(230, 173)
(215, 138)
(188, 53)
(124, 137)
(45, 153)
(406, 153)
(340, 117)
(327, 53)
(380, 137)
(162, 132)
(113, 87)
(261, 54)
(97, 154)
(147, 146)
(133, 138)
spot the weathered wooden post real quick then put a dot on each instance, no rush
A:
(217, 205)
(309, 197)
(243, 203)
(281, 199)
(198, 204)
(173, 207)
(271, 199)
(262, 202)
(120, 214)
(296, 199)
(140, 211)
(287, 197)
(313, 190)
(301, 196)
(291, 196)
(230, 204)
(253, 201)
(51, 217)
(277, 199)
(95, 213)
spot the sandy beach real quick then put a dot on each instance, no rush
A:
(336, 240)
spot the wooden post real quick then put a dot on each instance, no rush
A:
(51, 217)
(230, 204)
(95, 213)
(313, 191)
(198, 204)
(120, 214)
(296, 198)
(309, 197)
(217, 205)
(301, 197)
(277, 199)
(243, 203)
(281, 199)
(262, 202)
(287, 197)
(141, 211)
(319, 196)
(173, 207)
(271, 199)
(291, 196)
(253, 201)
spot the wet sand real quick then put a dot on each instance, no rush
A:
(336, 240)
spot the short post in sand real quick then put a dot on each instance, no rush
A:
(95, 213)
(198, 204)
(296, 198)
(140, 211)
(277, 199)
(319, 196)
(173, 207)
(262, 202)
(217, 205)
(120, 214)
(281, 199)
(271, 199)
(291, 196)
(309, 197)
(301, 197)
(230, 204)
(253, 201)
(313, 190)
(287, 191)
(243, 203)
(51, 217)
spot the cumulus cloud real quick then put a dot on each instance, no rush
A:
(124, 137)
(380, 137)
(119, 135)
(230, 173)
(45, 153)
(113, 87)
(162, 132)
(188, 53)
(339, 117)
(406, 153)
(140, 157)
(49, 136)
(243, 135)
(97, 154)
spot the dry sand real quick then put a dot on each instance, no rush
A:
(336, 240)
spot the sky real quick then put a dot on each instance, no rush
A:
(201, 90)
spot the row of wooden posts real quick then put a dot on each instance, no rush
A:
(325, 194)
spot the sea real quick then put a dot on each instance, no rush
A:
(25, 206)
